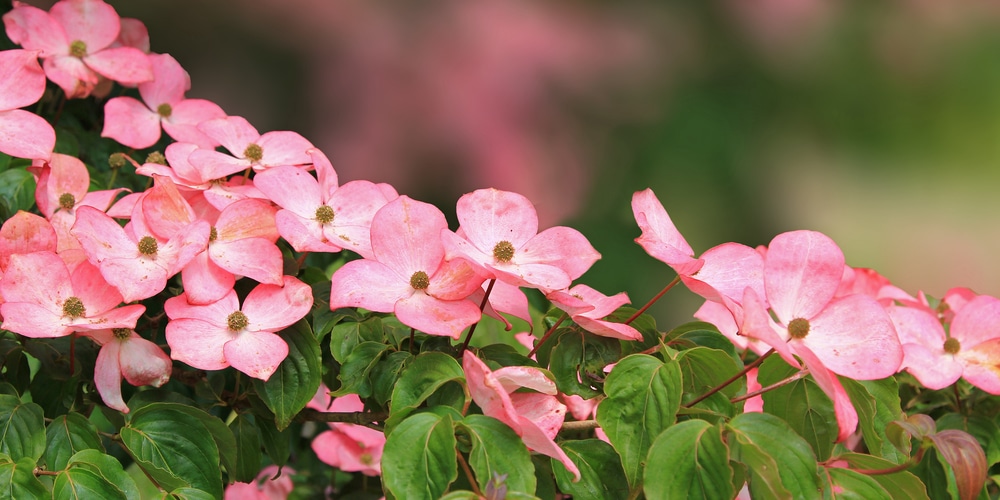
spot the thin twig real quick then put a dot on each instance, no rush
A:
(654, 299)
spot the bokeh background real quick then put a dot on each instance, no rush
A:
(876, 123)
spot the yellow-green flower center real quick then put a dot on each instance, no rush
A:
(147, 246)
(164, 110)
(324, 214)
(67, 200)
(213, 234)
(798, 328)
(73, 308)
(237, 321)
(156, 157)
(952, 346)
(503, 251)
(420, 280)
(121, 333)
(253, 152)
(117, 160)
(78, 49)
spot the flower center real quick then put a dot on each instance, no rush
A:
(324, 214)
(420, 281)
(952, 346)
(156, 157)
(253, 153)
(798, 328)
(116, 160)
(503, 251)
(121, 333)
(67, 200)
(237, 321)
(78, 49)
(73, 308)
(213, 234)
(164, 110)
(147, 246)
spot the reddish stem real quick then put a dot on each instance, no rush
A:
(654, 299)
(482, 307)
(548, 334)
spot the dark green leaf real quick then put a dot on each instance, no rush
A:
(780, 462)
(17, 480)
(22, 429)
(386, 373)
(425, 374)
(190, 494)
(107, 467)
(643, 398)
(801, 403)
(697, 459)
(357, 366)
(248, 453)
(224, 440)
(17, 191)
(498, 451)
(566, 361)
(82, 483)
(66, 435)
(276, 443)
(601, 473)
(935, 476)
(297, 378)
(877, 403)
(419, 461)
(347, 335)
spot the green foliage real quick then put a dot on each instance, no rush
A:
(698, 461)
(297, 378)
(419, 460)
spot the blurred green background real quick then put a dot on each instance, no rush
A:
(873, 122)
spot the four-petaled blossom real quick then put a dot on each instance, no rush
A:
(44, 299)
(224, 333)
(22, 133)
(248, 148)
(409, 274)
(499, 231)
(535, 416)
(588, 307)
(137, 124)
(125, 354)
(75, 39)
(348, 447)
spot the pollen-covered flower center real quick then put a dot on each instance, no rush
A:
(324, 214)
(253, 152)
(503, 251)
(952, 346)
(420, 280)
(798, 328)
(213, 234)
(147, 245)
(117, 160)
(73, 308)
(67, 200)
(237, 321)
(78, 48)
(157, 158)
(164, 110)
(121, 333)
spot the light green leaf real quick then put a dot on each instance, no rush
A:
(419, 461)
(425, 374)
(497, 451)
(297, 378)
(877, 403)
(17, 191)
(781, 463)
(190, 494)
(802, 404)
(697, 459)
(902, 484)
(846, 484)
(66, 435)
(703, 369)
(644, 395)
(22, 429)
(82, 483)
(601, 473)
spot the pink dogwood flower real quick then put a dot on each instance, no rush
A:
(499, 231)
(318, 216)
(265, 487)
(535, 416)
(125, 354)
(137, 124)
(851, 336)
(224, 333)
(44, 299)
(348, 447)
(248, 148)
(75, 42)
(588, 307)
(23, 134)
(409, 274)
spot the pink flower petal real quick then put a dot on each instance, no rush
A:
(931, 367)
(563, 247)
(847, 417)
(488, 392)
(256, 353)
(368, 284)
(204, 281)
(284, 148)
(198, 343)
(256, 258)
(131, 123)
(125, 65)
(854, 337)
(802, 273)
(108, 376)
(515, 377)
(981, 366)
(91, 21)
(169, 83)
(24, 233)
(488, 216)
(977, 321)
(143, 362)
(34, 29)
(447, 318)
(660, 237)
(406, 236)
(182, 124)
(26, 135)
(291, 188)
(32, 320)
(233, 132)
(271, 308)
(22, 81)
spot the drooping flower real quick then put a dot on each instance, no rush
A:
(224, 333)
(44, 299)
(75, 41)
(265, 487)
(137, 124)
(23, 134)
(588, 308)
(408, 274)
(348, 447)
(125, 354)
(535, 416)
(499, 231)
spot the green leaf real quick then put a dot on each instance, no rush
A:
(107, 467)
(173, 448)
(801, 403)
(780, 462)
(22, 429)
(847, 484)
(248, 454)
(425, 374)
(703, 369)
(224, 440)
(984, 429)
(419, 459)
(697, 459)
(190, 494)
(877, 403)
(357, 366)
(498, 451)
(644, 395)
(386, 374)
(347, 335)
(276, 443)
(935, 476)
(900, 484)
(705, 337)
(17, 480)
(297, 378)
(66, 435)
(17, 191)
(601, 473)
(79, 482)
(565, 360)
